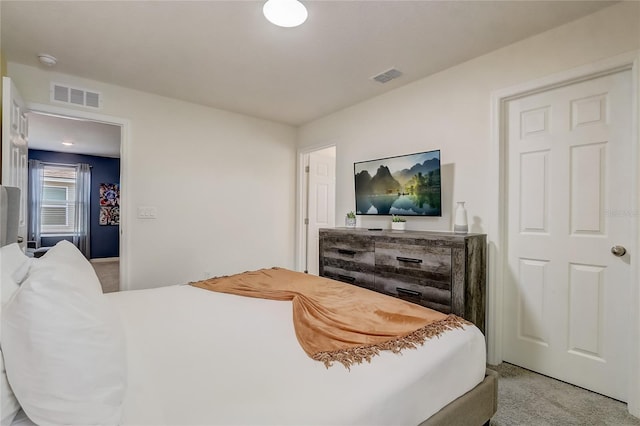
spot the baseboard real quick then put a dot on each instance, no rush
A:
(105, 259)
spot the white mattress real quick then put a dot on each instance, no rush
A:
(197, 357)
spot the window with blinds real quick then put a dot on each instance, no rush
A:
(58, 200)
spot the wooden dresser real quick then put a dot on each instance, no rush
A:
(440, 270)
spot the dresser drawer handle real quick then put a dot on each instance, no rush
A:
(406, 292)
(349, 252)
(346, 278)
(408, 260)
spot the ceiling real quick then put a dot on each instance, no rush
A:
(224, 54)
(47, 132)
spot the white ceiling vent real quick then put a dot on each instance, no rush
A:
(387, 75)
(75, 96)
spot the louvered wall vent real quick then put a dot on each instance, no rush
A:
(387, 75)
(75, 96)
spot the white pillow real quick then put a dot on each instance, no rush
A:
(76, 266)
(63, 344)
(14, 265)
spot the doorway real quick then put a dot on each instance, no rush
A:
(524, 291)
(317, 202)
(569, 154)
(15, 132)
(57, 144)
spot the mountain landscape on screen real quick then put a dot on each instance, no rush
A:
(407, 185)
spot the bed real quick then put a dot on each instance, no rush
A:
(182, 355)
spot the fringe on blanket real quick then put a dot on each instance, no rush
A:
(358, 354)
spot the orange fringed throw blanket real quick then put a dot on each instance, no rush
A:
(336, 321)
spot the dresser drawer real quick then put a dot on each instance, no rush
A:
(418, 273)
(422, 265)
(348, 258)
(347, 246)
(361, 279)
(422, 294)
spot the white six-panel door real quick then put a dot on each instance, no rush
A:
(566, 300)
(15, 129)
(321, 202)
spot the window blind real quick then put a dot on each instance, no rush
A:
(58, 199)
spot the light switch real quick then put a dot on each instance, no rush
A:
(147, 212)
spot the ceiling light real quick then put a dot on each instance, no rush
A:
(67, 143)
(285, 13)
(47, 60)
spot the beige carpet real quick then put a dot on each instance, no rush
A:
(109, 275)
(527, 398)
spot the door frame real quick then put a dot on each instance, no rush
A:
(301, 197)
(497, 229)
(125, 137)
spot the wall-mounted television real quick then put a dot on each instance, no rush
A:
(406, 185)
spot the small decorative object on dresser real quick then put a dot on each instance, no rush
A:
(398, 223)
(443, 271)
(350, 220)
(461, 226)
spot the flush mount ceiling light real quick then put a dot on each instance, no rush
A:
(47, 60)
(67, 143)
(285, 13)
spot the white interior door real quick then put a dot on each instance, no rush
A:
(321, 201)
(15, 132)
(566, 300)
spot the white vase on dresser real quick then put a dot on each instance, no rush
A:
(461, 225)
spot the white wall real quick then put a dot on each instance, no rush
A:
(223, 183)
(451, 111)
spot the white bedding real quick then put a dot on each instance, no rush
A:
(197, 357)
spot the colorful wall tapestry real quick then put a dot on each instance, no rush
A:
(109, 204)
